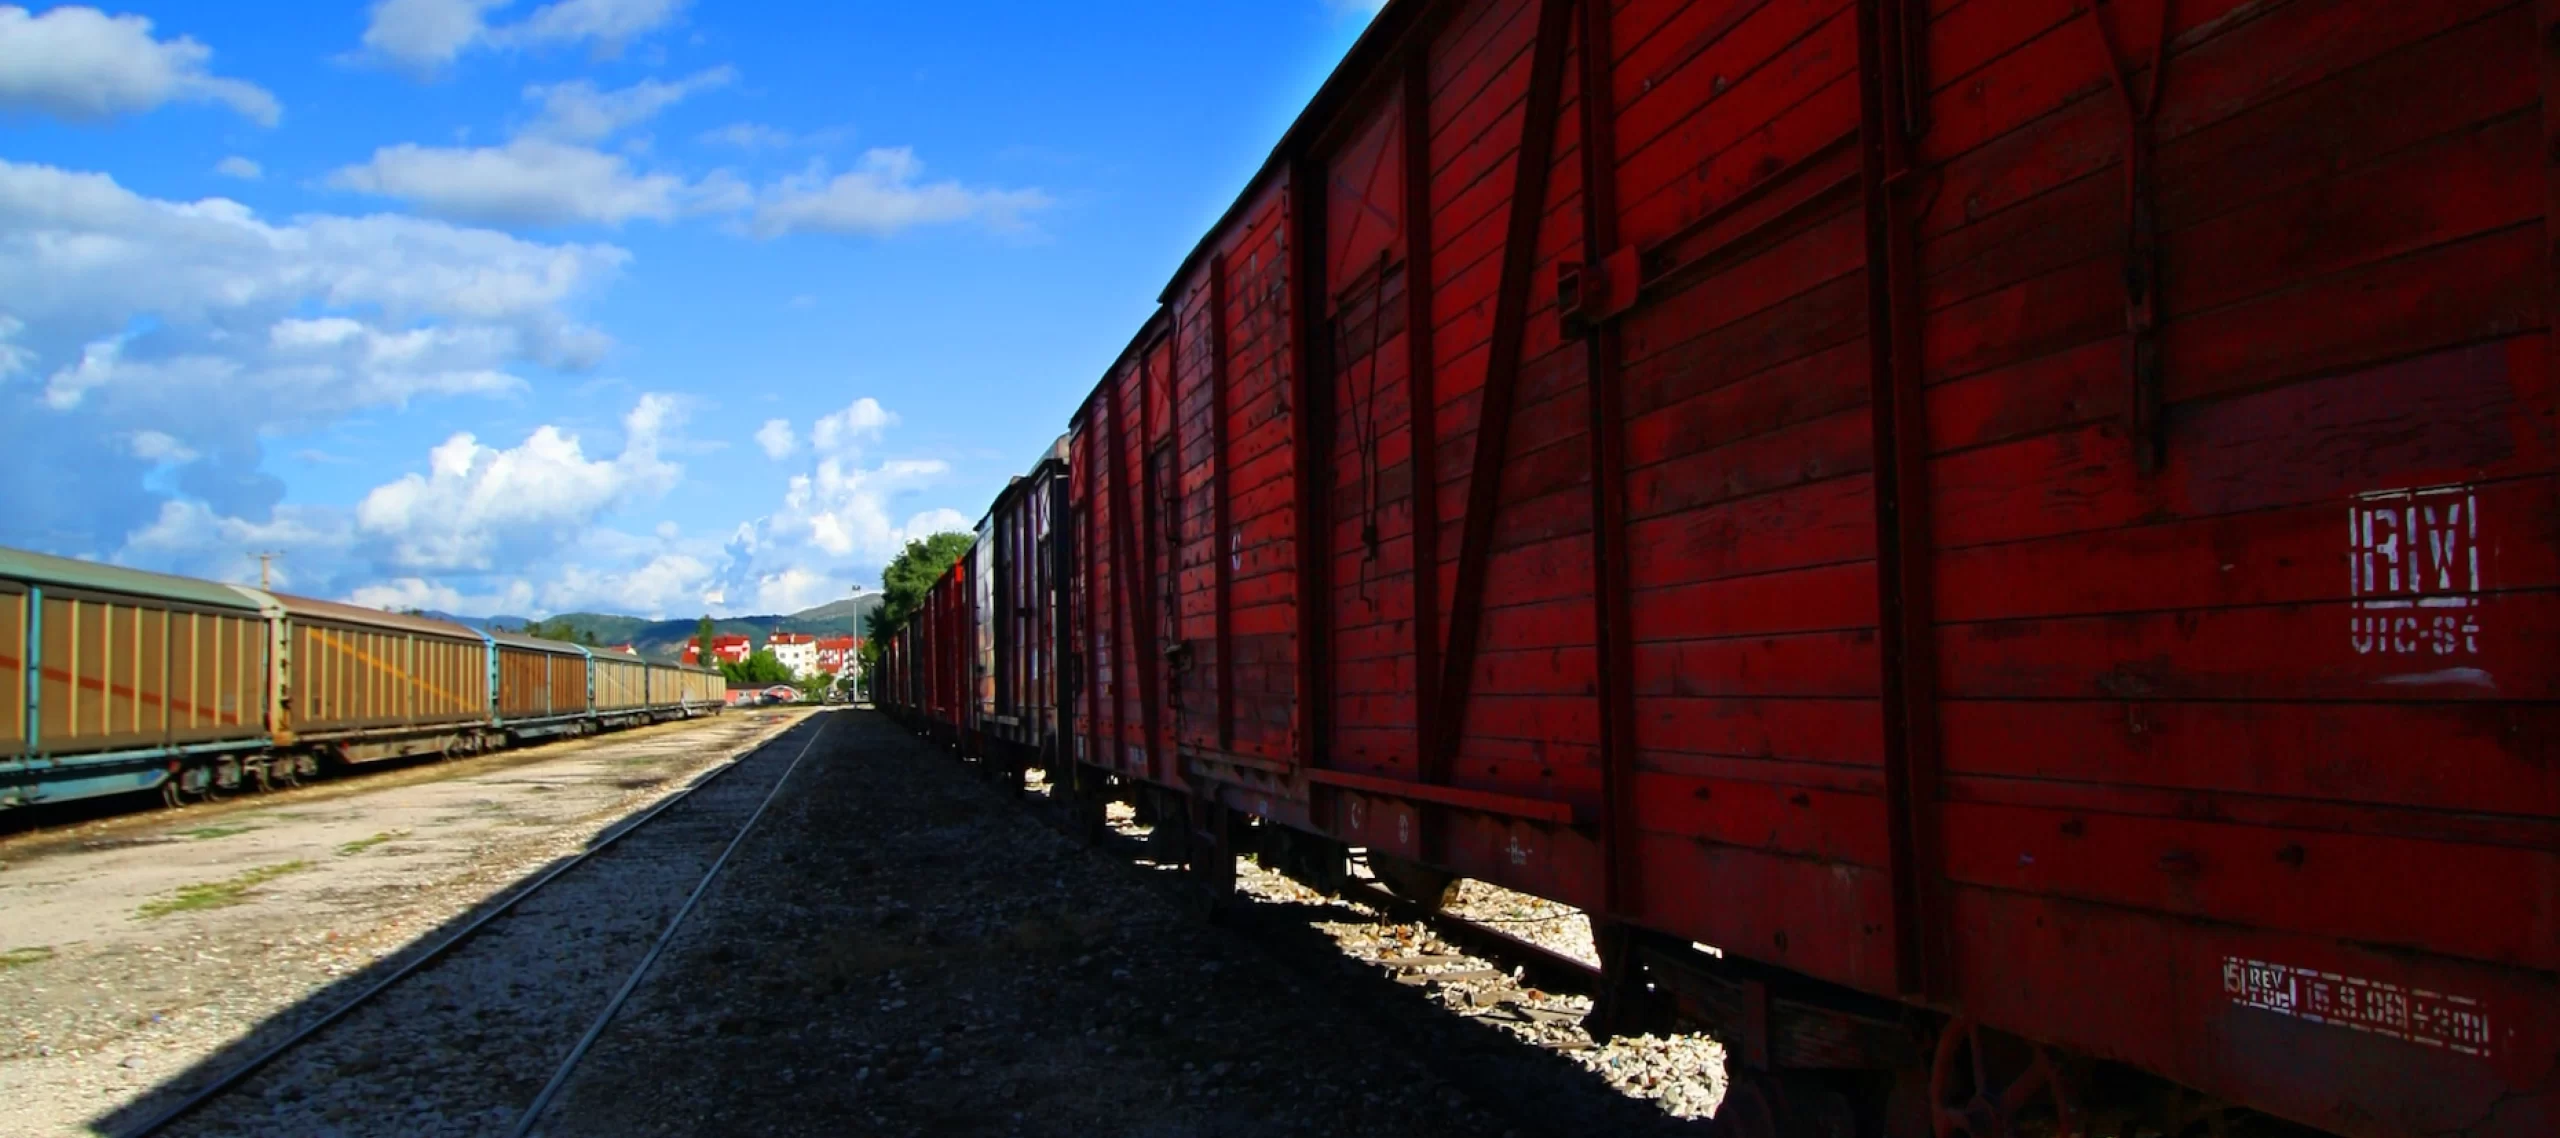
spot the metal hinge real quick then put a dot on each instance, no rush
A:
(1588, 296)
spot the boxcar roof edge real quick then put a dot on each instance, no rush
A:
(45, 569)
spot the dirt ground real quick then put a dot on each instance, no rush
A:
(133, 947)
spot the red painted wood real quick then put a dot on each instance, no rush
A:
(1543, 810)
(1510, 330)
(1932, 686)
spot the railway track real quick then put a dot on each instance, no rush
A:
(539, 963)
(51, 821)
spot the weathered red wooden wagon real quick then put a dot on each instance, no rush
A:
(2030, 527)
(1019, 620)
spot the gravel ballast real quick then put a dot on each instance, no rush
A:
(146, 952)
(907, 949)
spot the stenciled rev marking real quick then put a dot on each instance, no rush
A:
(2430, 1019)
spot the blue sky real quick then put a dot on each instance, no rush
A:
(649, 306)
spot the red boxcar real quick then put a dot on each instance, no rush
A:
(1019, 618)
(2026, 526)
(930, 666)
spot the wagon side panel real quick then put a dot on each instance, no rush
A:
(2247, 580)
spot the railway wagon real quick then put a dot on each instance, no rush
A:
(620, 684)
(899, 686)
(679, 692)
(117, 680)
(1018, 616)
(541, 685)
(949, 665)
(2034, 522)
(360, 685)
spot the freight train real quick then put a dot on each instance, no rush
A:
(123, 681)
(2029, 528)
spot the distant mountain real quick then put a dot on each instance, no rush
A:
(858, 608)
(666, 638)
(482, 622)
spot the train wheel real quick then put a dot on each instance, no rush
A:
(1985, 1084)
(1213, 853)
(1625, 1004)
(1412, 880)
(191, 785)
(1759, 1104)
(1092, 815)
(225, 780)
(1169, 839)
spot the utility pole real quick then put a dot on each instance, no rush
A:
(265, 560)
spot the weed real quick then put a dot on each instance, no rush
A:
(21, 956)
(360, 845)
(204, 833)
(217, 894)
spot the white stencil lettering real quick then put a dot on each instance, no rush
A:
(2413, 567)
(2416, 1015)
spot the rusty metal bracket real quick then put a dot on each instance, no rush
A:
(1589, 295)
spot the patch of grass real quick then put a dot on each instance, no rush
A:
(17, 957)
(351, 849)
(217, 894)
(204, 833)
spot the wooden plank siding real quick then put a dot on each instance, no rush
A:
(2044, 513)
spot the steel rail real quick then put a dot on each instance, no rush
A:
(198, 1098)
(595, 1030)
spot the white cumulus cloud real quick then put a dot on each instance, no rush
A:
(238, 167)
(861, 421)
(777, 439)
(749, 136)
(609, 24)
(530, 181)
(82, 64)
(477, 503)
(217, 329)
(883, 194)
(576, 111)
(426, 35)
(550, 174)
(156, 446)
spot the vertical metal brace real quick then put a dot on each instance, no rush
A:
(1502, 364)
(1311, 406)
(35, 671)
(1611, 612)
(1224, 549)
(1089, 638)
(1423, 426)
(1905, 630)
(2142, 240)
(2547, 23)
(1152, 638)
(1128, 580)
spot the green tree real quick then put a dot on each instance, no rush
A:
(906, 579)
(759, 669)
(703, 634)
